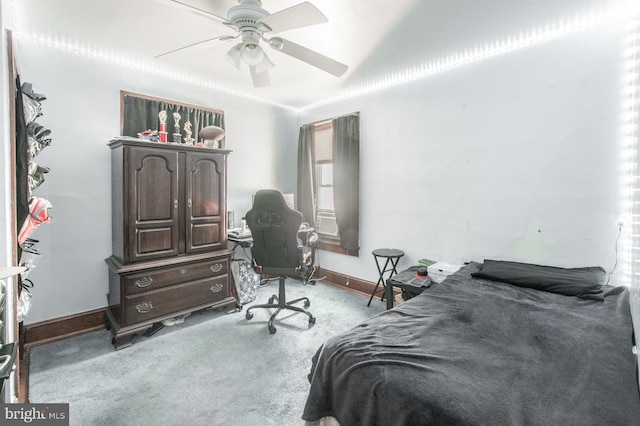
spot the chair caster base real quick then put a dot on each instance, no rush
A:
(279, 303)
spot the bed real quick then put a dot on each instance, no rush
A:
(497, 343)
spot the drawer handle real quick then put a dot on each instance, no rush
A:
(183, 271)
(217, 288)
(144, 308)
(216, 268)
(144, 282)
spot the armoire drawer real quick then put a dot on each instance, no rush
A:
(159, 278)
(154, 304)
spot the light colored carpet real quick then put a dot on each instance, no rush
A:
(213, 369)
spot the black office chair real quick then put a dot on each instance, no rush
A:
(278, 251)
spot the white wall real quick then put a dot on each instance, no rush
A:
(83, 111)
(514, 157)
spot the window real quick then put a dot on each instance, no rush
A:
(328, 181)
(324, 169)
(325, 221)
(325, 212)
(324, 172)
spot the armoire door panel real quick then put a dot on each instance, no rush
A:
(156, 240)
(206, 235)
(153, 205)
(158, 208)
(205, 187)
(205, 193)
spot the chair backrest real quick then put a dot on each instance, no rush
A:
(274, 228)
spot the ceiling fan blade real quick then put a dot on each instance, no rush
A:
(309, 56)
(199, 7)
(260, 79)
(201, 44)
(301, 15)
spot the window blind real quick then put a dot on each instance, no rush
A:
(324, 148)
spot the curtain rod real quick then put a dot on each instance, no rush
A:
(328, 120)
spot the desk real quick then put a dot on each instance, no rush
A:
(244, 242)
(247, 241)
(406, 280)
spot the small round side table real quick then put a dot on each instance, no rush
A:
(392, 257)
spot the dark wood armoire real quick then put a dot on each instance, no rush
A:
(169, 242)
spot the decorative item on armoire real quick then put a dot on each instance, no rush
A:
(162, 116)
(177, 137)
(149, 135)
(211, 137)
(187, 133)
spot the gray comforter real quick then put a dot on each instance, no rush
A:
(470, 351)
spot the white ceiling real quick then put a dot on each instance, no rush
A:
(375, 38)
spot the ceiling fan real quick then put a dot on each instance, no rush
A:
(252, 23)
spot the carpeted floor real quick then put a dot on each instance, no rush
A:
(214, 369)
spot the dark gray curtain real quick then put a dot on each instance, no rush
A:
(305, 196)
(346, 179)
(141, 114)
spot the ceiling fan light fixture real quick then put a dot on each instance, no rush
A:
(276, 43)
(252, 54)
(233, 56)
(265, 65)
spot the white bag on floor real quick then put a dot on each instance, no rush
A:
(247, 281)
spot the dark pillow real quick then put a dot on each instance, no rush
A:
(581, 282)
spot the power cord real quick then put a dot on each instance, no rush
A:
(615, 265)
